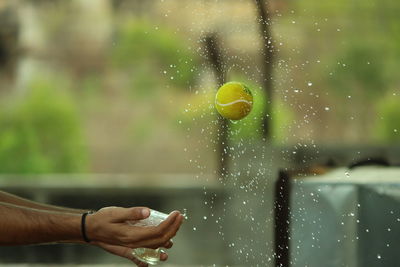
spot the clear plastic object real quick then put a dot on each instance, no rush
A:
(147, 255)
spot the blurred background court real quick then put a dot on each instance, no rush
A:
(111, 102)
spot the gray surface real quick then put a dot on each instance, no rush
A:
(347, 218)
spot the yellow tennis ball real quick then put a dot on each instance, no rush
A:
(234, 100)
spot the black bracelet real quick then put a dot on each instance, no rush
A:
(83, 226)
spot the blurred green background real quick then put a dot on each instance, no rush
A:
(117, 86)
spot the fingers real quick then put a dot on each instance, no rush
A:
(163, 256)
(129, 214)
(109, 224)
(139, 263)
(124, 252)
(148, 233)
(165, 225)
(117, 232)
(164, 236)
(173, 229)
(169, 244)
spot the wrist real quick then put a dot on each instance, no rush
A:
(91, 226)
(84, 227)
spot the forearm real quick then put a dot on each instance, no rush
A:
(19, 201)
(23, 226)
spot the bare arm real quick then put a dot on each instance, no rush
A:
(24, 221)
(23, 226)
(19, 201)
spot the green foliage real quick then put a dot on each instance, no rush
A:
(41, 133)
(250, 127)
(153, 55)
(359, 70)
(388, 125)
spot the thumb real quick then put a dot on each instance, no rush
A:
(129, 214)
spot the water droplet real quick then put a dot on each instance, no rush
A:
(194, 228)
(379, 256)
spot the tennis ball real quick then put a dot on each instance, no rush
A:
(234, 100)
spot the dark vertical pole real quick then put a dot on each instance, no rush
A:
(8, 45)
(215, 58)
(282, 220)
(267, 54)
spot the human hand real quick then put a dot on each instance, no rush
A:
(109, 226)
(126, 252)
